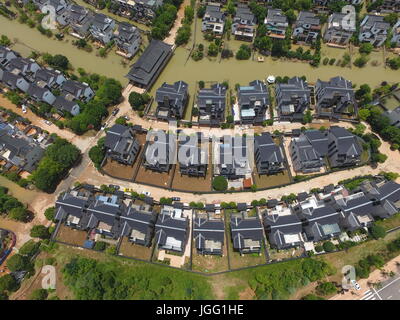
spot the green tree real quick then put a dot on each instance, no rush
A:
(19, 214)
(50, 213)
(17, 263)
(328, 246)
(40, 231)
(39, 294)
(377, 231)
(326, 288)
(220, 183)
(366, 48)
(8, 283)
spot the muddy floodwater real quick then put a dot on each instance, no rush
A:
(26, 40)
(23, 195)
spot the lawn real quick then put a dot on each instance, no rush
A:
(390, 223)
(129, 249)
(209, 263)
(269, 181)
(154, 178)
(71, 236)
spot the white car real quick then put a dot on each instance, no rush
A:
(48, 122)
(146, 193)
(24, 109)
(355, 285)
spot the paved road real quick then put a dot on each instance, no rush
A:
(390, 291)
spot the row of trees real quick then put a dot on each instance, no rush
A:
(184, 32)
(165, 18)
(12, 207)
(58, 159)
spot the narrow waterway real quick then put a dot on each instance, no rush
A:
(26, 40)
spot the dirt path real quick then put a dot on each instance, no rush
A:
(178, 23)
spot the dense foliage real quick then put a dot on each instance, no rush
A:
(58, 159)
(165, 18)
(11, 207)
(220, 183)
(97, 153)
(92, 280)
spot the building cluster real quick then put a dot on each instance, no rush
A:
(334, 100)
(84, 23)
(307, 27)
(22, 146)
(41, 84)
(325, 215)
(311, 218)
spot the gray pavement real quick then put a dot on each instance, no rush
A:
(390, 290)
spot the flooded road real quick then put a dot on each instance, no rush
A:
(22, 194)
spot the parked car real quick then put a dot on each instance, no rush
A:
(114, 186)
(115, 111)
(355, 285)
(48, 122)
(127, 118)
(146, 193)
(24, 109)
(176, 199)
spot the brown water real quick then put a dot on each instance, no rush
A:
(28, 39)
(23, 195)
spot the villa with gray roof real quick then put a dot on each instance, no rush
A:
(121, 144)
(6, 55)
(268, 155)
(292, 99)
(307, 27)
(244, 23)
(208, 234)
(253, 102)
(102, 28)
(70, 208)
(213, 20)
(160, 153)
(338, 32)
(193, 157)
(308, 151)
(150, 64)
(72, 89)
(24, 66)
(40, 93)
(283, 231)
(374, 30)
(387, 6)
(52, 78)
(172, 229)
(63, 105)
(14, 80)
(80, 20)
(142, 10)
(137, 224)
(343, 149)
(335, 98)
(247, 233)
(211, 103)
(394, 116)
(128, 39)
(395, 34)
(172, 100)
(277, 23)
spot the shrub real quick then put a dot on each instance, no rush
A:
(220, 183)
(39, 294)
(40, 231)
(326, 288)
(50, 213)
(377, 231)
(328, 246)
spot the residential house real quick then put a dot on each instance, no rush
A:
(137, 224)
(307, 27)
(160, 152)
(172, 229)
(192, 156)
(374, 30)
(335, 98)
(213, 20)
(244, 23)
(232, 157)
(102, 28)
(102, 215)
(253, 101)
(320, 221)
(40, 93)
(172, 100)
(70, 208)
(80, 20)
(52, 78)
(395, 34)
(356, 211)
(247, 233)
(309, 150)
(284, 231)
(268, 155)
(150, 64)
(344, 148)
(121, 144)
(387, 6)
(24, 66)
(14, 80)
(141, 10)
(208, 234)
(277, 23)
(6, 55)
(72, 89)
(292, 99)
(63, 105)
(340, 29)
(385, 197)
(394, 116)
(18, 150)
(128, 39)
(211, 103)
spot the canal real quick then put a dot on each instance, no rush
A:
(26, 40)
